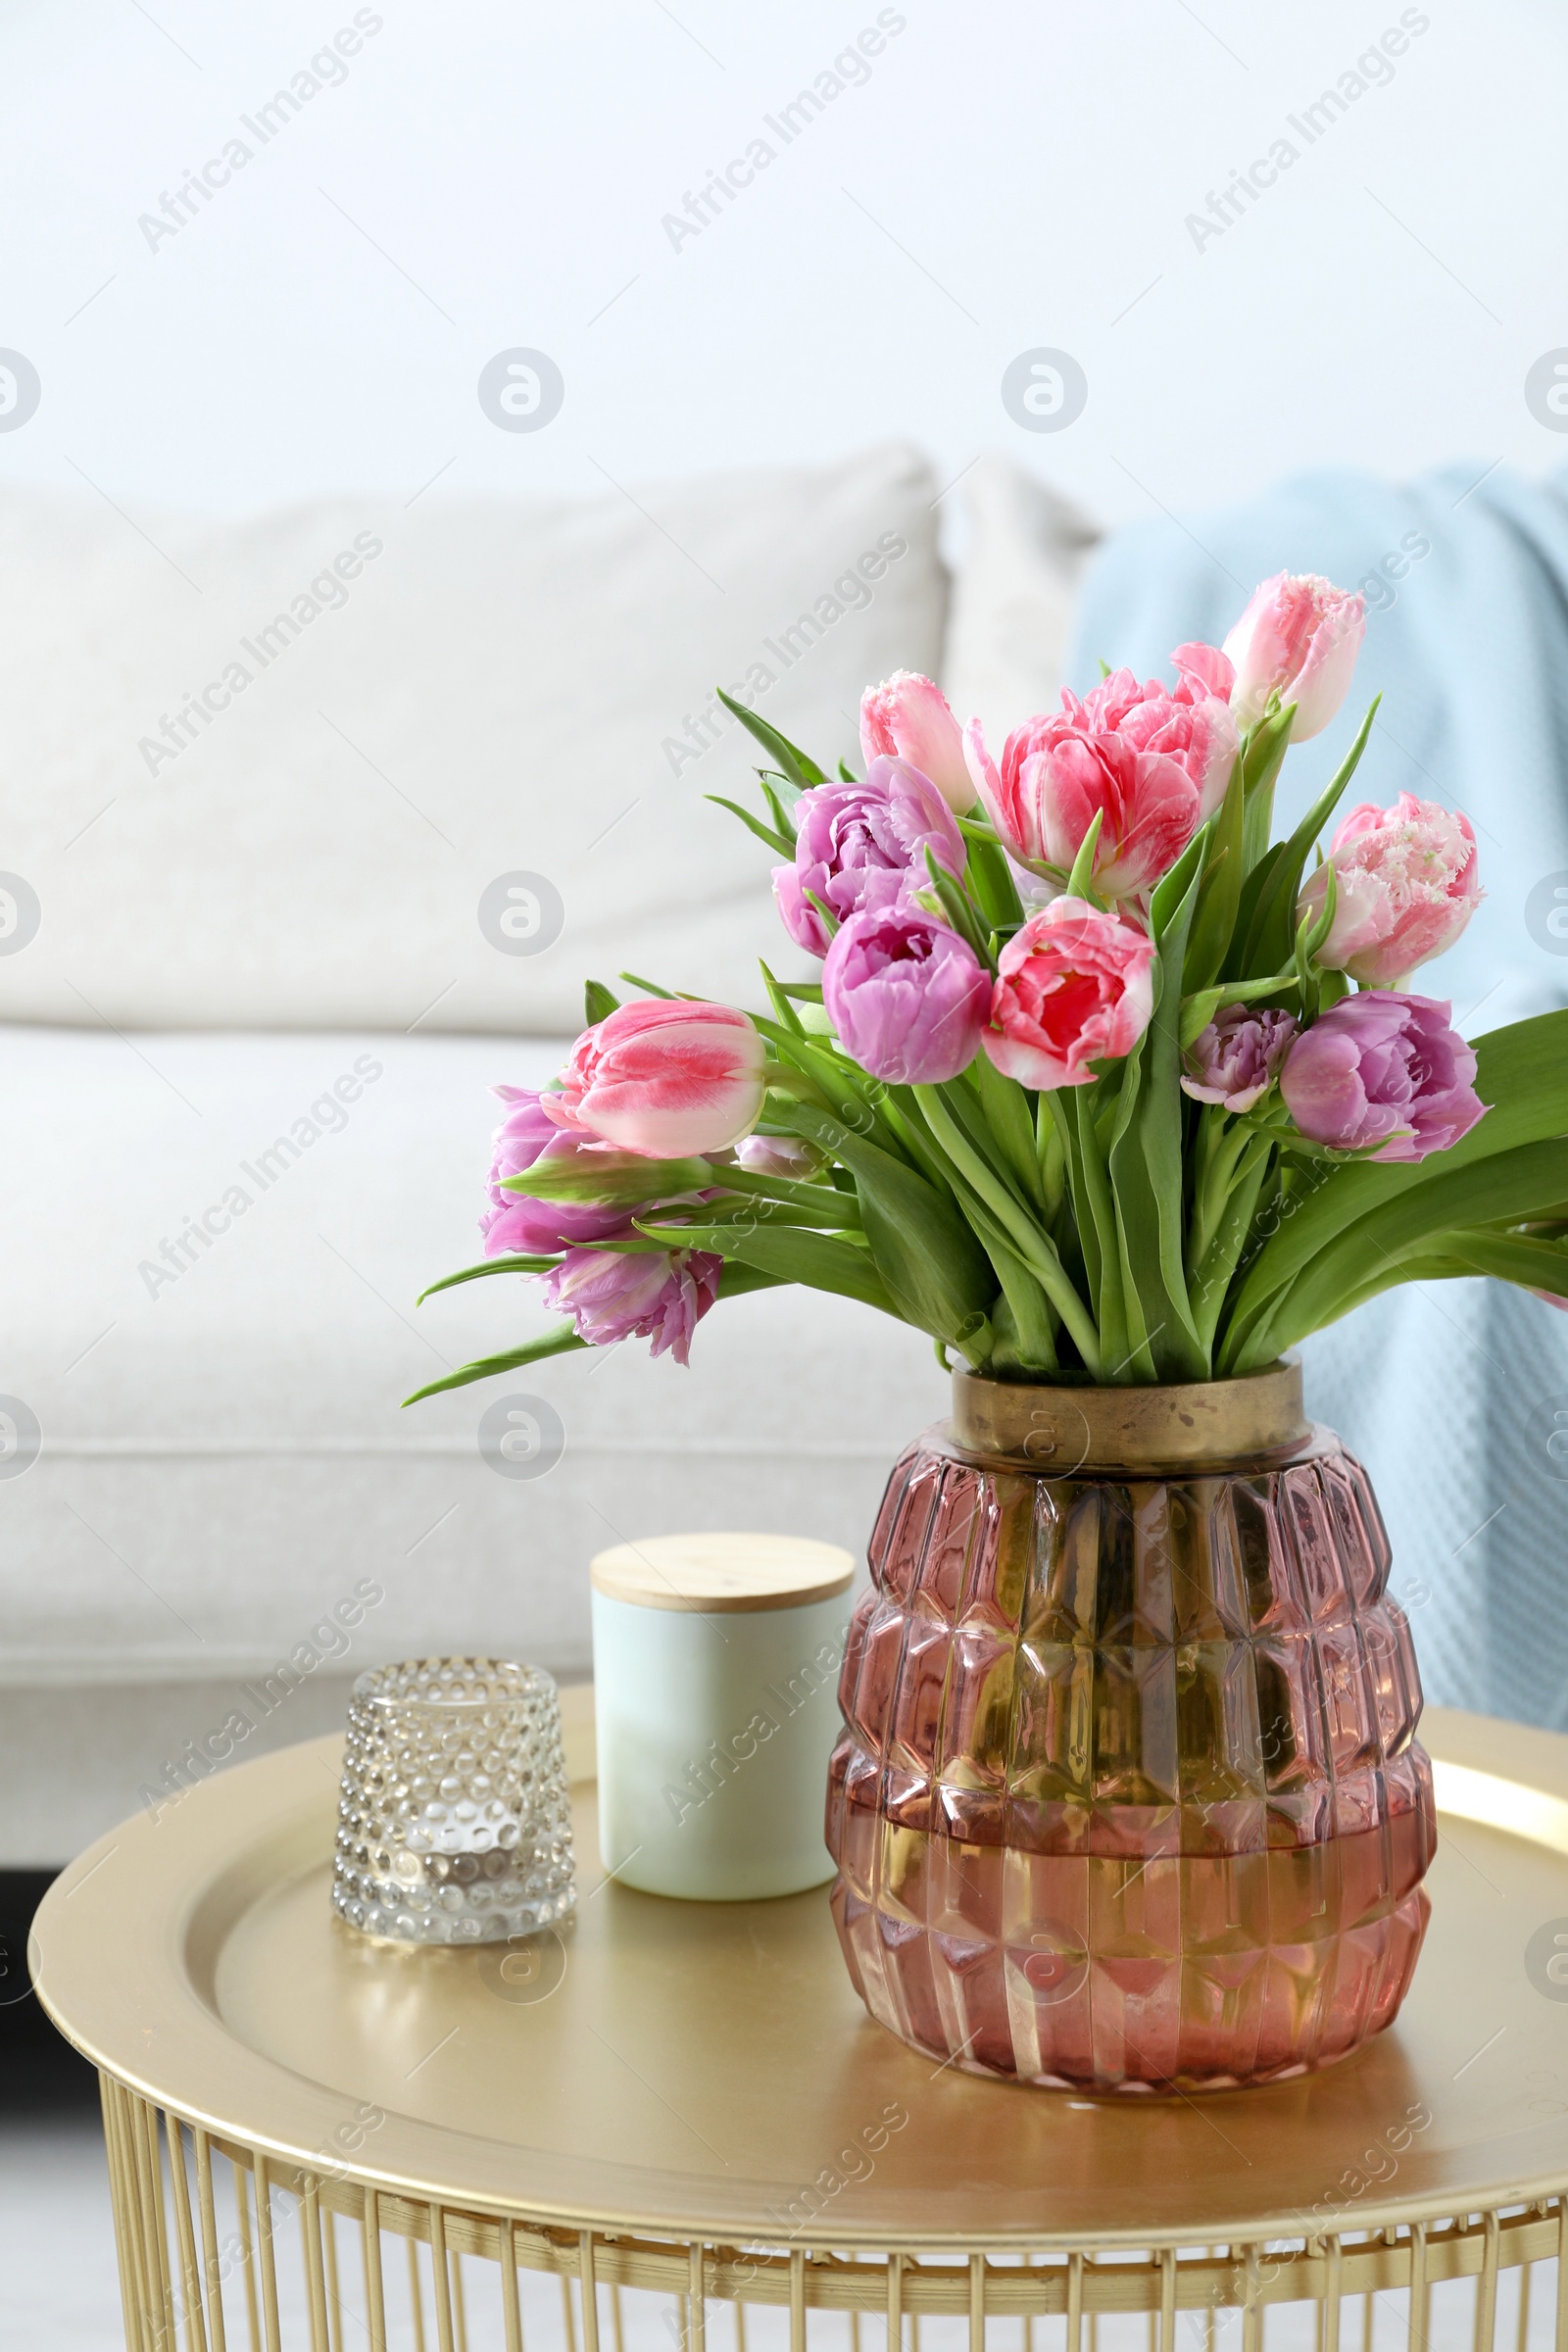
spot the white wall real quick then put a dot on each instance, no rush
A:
(1009, 177)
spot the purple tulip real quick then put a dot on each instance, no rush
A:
(614, 1295)
(514, 1223)
(1234, 1059)
(864, 846)
(1383, 1068)
(906, 996)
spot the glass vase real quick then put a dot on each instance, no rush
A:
(1128, 1798)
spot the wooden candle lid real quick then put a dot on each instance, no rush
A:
(707, 1573)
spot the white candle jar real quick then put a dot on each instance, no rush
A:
(716, 1699)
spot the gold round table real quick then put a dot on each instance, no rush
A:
(322, 2139)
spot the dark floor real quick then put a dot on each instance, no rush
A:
(40, 2071)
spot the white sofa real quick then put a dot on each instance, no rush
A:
(245, 1055)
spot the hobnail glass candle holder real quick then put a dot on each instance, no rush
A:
(455, 1824)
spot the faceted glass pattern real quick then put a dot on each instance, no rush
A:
(454, 1825)
(1129, 1796)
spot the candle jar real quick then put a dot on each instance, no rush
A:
(716, 1659)
(454, 1825)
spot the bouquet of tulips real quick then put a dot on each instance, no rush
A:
(1098, 1082)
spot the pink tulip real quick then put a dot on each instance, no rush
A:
(1406, 881)
(612, 1294)
(669, 1079)
(1075, 986)
(1383, 1068)
(1299, 639)
(908, 718)
(1152, 762)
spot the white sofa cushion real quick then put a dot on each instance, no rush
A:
(223, 1457)
(1013, 598)
(403, 704)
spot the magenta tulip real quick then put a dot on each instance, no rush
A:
(1386, 1069)
(906, 996)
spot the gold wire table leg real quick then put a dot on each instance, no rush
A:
(590, 2290)
(334, 2295)
(617, 2321)
(977, 2303)
(698, 2299)
(894, 2303)
(740, 2328)
(150, 2166)
(510, 2307)
(265, 2254)
(190, 2282)
(459, 2307)
(1416, 2332)
(568, 2315)
(121, 2193)
(416, 2296)
(1486, 2287)
(1331, 2300)
(1167, 2300)
(441, 2278)
(1522, 2334)
(208, 2216)
(1251, 2330)
(374, 2284)
(1563, 2275)
(798, 2299)
(314, 2268)
(247, 2253)
(1075, 2303)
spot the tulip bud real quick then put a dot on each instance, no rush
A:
(670, 1079)
(908, 718)
(1299, 638)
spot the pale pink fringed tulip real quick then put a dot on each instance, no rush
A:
(908, 718)
(1299, 638)
(670, 1079)
(1405, 883)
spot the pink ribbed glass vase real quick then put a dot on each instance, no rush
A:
(1129, 1796)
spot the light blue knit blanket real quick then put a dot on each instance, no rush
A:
(1445, 1390)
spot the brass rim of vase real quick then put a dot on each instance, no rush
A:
(1061, 1430)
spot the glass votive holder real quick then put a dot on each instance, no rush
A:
(454, 1825)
